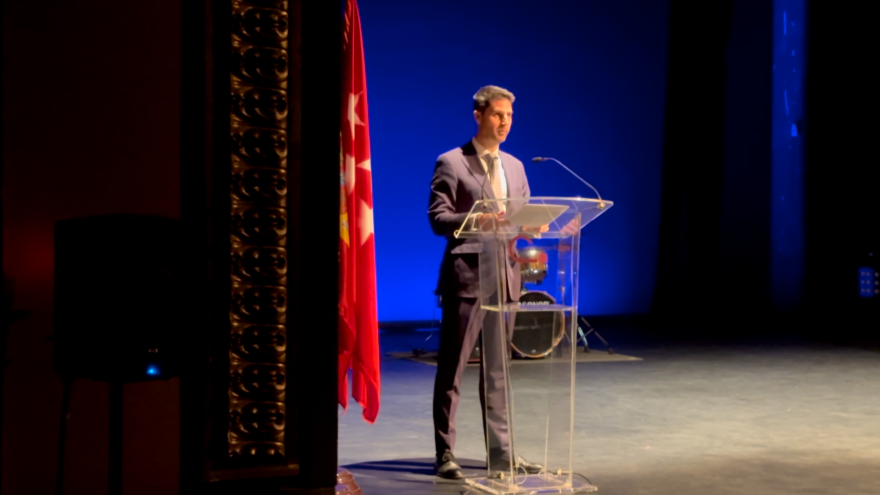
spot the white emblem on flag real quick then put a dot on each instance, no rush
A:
(365, 222)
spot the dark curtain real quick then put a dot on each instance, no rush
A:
(693, 161)
(842, 200)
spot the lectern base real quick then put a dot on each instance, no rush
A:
(532, 484)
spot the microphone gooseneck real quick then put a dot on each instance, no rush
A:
(545, 158)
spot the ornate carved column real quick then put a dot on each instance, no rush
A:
(260, 98)
(258, 234)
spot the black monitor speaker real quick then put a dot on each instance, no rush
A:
(121, 292)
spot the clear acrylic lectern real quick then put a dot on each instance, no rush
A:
(528, 291)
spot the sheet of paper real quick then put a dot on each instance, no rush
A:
(535, 215)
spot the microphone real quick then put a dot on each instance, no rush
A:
(545, 158)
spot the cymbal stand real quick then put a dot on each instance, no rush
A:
(583, 336)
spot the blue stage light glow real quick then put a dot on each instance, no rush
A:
(787, 212)
(595, 101)
(152, 370)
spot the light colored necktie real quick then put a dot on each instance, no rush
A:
(494, 176)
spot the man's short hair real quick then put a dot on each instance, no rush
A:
(487, 94)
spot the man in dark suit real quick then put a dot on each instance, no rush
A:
(475, 171)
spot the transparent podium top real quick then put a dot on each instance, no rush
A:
(547, 217)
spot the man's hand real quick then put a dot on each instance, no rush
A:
(571, 227)
(540, 230)
(491, 221)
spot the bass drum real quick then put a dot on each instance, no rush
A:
(536, 333)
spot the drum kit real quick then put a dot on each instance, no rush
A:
(535, 333)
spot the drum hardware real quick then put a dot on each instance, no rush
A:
(583, 336)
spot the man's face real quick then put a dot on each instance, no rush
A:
(494, 123)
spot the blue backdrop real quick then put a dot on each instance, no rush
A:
(589, 80)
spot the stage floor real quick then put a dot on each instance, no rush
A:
(687, 419)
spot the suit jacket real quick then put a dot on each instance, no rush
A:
(459, 181)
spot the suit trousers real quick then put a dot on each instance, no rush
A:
(462, 324)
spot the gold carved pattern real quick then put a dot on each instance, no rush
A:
(258, 232)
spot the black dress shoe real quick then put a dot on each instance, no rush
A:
(447, 467)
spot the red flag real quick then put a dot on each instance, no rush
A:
(358, 320)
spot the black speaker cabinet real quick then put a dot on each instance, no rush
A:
(121, 284)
